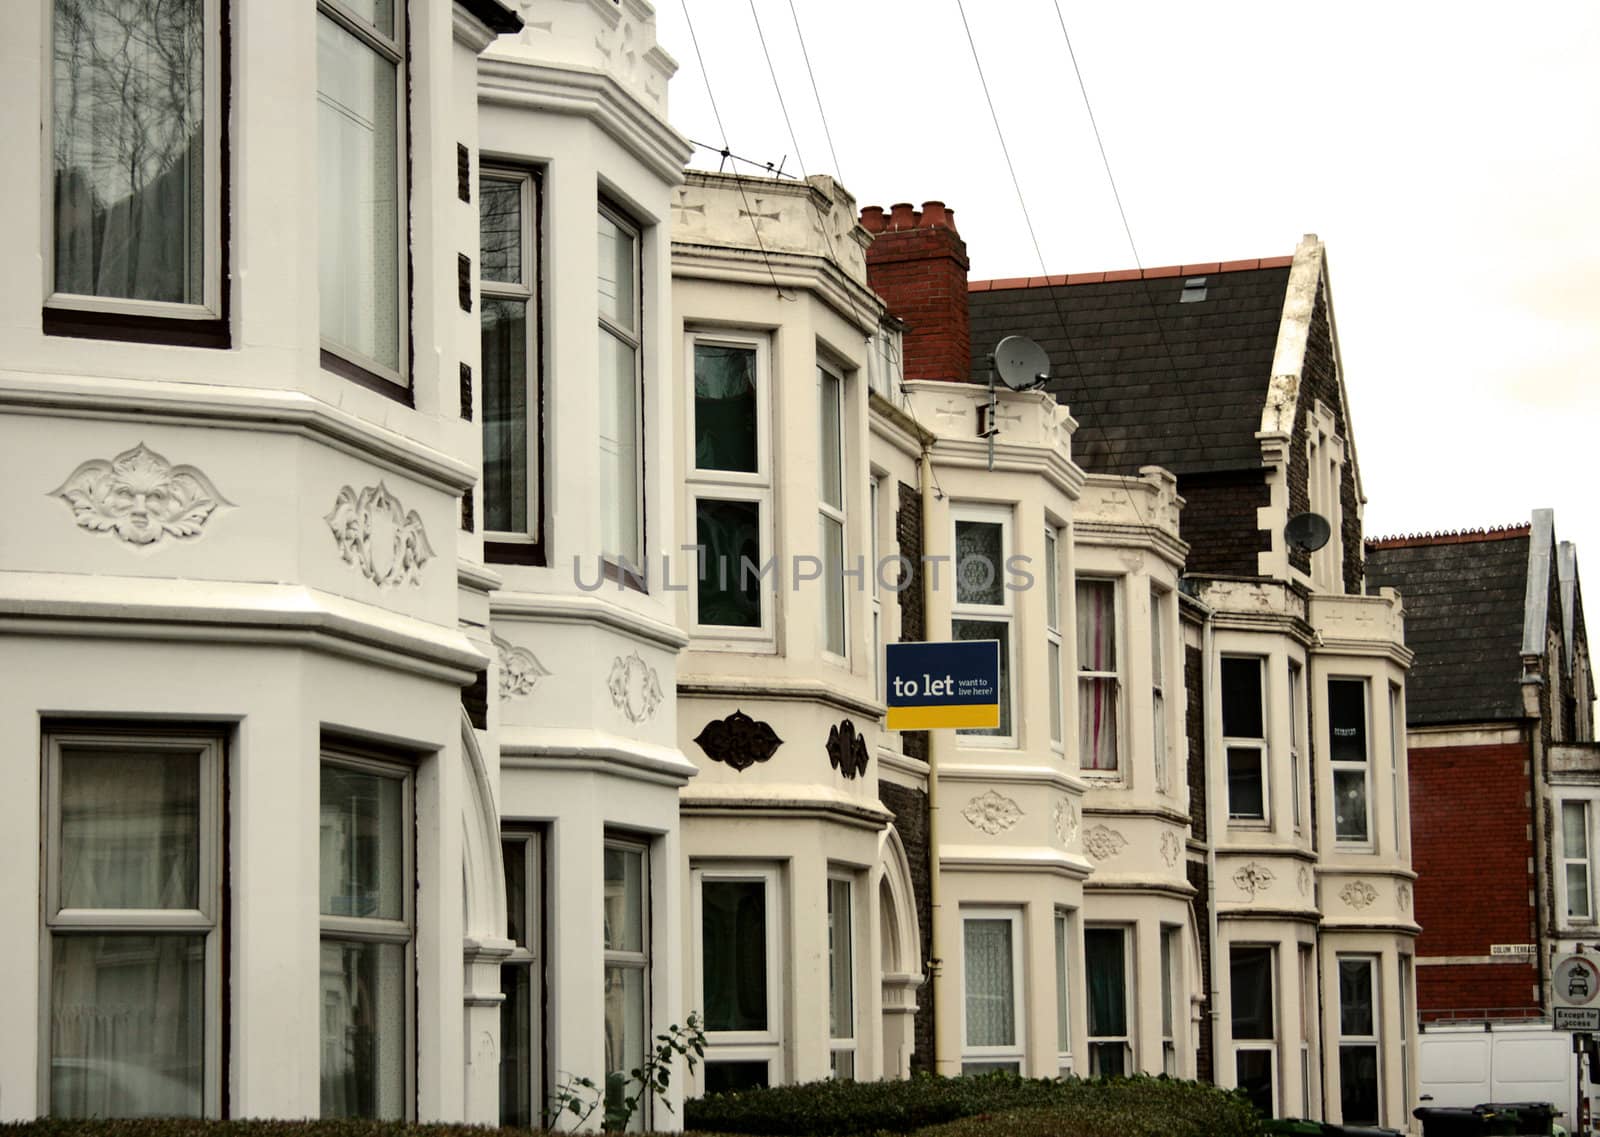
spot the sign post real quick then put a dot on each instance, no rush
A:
(1575, 1004)
(935, 686)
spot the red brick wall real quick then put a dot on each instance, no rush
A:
(918, 263)
(1471, 831)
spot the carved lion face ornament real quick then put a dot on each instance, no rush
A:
(139, 496)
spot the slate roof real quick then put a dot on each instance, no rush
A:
(1151, 380)
(1464, 596)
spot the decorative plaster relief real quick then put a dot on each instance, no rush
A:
(847, 750)
(1065, 820)
(738, 741)
(379, 536)
(635, 689)
(992, 813)
(1103, 843)
(139, 496)
(520, 669)
(1171, 848)
(1254, 878)
(1305, 881)
(1358, 894)
(1404, 895)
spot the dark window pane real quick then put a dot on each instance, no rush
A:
(1355, 997)
(979, 1069)
(1246, 796)
(516, 1048)
(364, 1043)
(1108, 1059)
(729, 533)
(1250, 976)
(1350, 805)
(1347, 720)
(363, 850)
(733, 939)
(1358, 1084)
(500, 230)
(728, 1077)
(505, 415)
(129, 98)
(1241, 698)
(515, 855)
(980, 554)
(991, 630)
(725, 408)
(1254, 1068)
(1106, 966)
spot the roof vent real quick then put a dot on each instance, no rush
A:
(1194, 289)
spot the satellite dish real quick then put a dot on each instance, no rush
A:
(1021, 364)
(1307, 532)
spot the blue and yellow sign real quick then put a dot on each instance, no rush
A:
(932, 686)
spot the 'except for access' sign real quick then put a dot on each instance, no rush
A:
(1577, 1018)
(1575, 982)
(933, 686)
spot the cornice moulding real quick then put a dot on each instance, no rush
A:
(478, 578)
(591, 94)
(585, 608)
(849, 299)
(593, 751)
(236, 408)
(792, 690)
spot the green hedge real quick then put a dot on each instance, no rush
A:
(965, 1107)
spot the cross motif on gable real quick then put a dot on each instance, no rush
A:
(757, 217)
(683, 210)
(951, 412)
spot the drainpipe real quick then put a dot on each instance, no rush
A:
(935, 959)
(1544, 929)
(1211, 677)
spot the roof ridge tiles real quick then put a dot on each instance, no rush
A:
(1112, 276)
(1451, 537)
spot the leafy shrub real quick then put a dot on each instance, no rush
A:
(996, 1104)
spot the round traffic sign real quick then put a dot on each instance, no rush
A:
(1576, 981)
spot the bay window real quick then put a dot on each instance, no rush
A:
(508, 279)
(1107, 953)
(992, 1008)
(1347, 737)
(1171, 949)
(1309, 1006)
(982, 609)
(830, 508)
(1255, 1023)
(368, 912)
(1358, 1039)
(1063, 945)
(522, 984)
(626, 940)
(1575, 872)
(841, 980)
(730, 480)
(133, 895)
(621, 393)
(135, 128)
(361, 143)
(1099, 683)
(1244, 737)
(741, 982)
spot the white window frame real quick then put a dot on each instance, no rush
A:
(828, 513)
(529, 957)
(1370, 842)
(624, 565)
(743, 1045)
(1119, 653)
(638, 961)
(1004, 613)
(875, 491)
(1397, 757)
(1296, 746)
(1129, 1003)
(1407, 1017)
(210, 306)
(1583, 858)
(1055, 658)
(348, 929)
(1306, 957)
(525, 291)
(394, 50)
(986, 1058)
(1171, 963)
(1237, 743)
(1161, 727)
(1324, 475)
(1268, 1046)
(1063, 965)
(205, 920)
(843, 1045)
(1375, 1039)
(734, 485)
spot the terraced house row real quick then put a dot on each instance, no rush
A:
(393, 724)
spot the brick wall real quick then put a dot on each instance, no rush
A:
(1219, 522)
(918, 263)
(910, 809)
(1195, 726)
(1203, 1064)
(913, 621)
(1472, 848)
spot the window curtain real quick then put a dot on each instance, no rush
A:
(1097, 698)
(130, 831)
(1108, 984)
(129, 96)
(991, 1007)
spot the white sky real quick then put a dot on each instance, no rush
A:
(1448, 154)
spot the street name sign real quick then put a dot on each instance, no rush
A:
(935, 686)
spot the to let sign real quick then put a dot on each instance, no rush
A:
(932, 686)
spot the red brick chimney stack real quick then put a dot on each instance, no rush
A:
(918, 263)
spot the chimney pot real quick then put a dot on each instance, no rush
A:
(902, 216)
(935, 216)
(872, 219)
